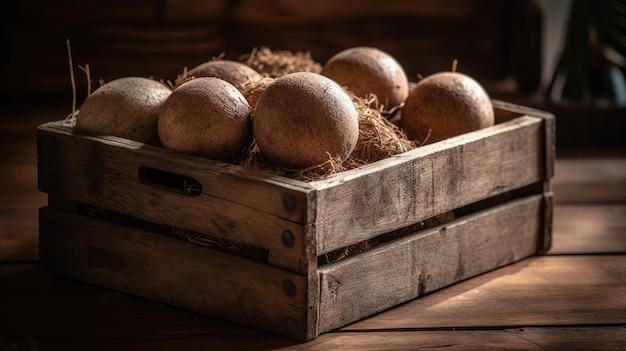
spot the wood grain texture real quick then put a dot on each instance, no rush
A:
(105, 173)
(521, 339)
(64, 314)
(199, 279)
(432, 179)
(590, 179)
(540, 291)
(428, 261)
(19, 197)
(589, 228)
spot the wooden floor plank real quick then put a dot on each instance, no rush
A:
(602, 338)
(36, 302)
(583, 228)
(539, 291)
(19, 236)
(19, 203)
(19, 197)
(598, 179)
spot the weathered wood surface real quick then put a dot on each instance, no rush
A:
(104, 172)
(498, 308)
(413, 266)
(538, 291)
(578, 180)
(522, 339)
(429, 180)
(575, 224)
(171, 270)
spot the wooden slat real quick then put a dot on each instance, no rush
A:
(504, 109)
(104, 172)
(430, 180)
(539, 291)
(427, 261)
(37, 302)
(202, 280)
(589, 228)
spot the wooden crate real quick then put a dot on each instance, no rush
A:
(118, 217)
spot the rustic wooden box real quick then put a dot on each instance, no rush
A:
(113, 216)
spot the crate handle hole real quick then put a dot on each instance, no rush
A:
(170, 181)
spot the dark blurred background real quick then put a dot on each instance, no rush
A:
(555, 55)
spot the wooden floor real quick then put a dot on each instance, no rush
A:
(572, 298)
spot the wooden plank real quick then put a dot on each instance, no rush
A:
(582, 338)
(218, 172)
(589, 228)
(504, 110)
(66, 314)
(590, 179)
(170, 270)
(105, 172)
(538, 291)
(37, 302)
(404, 189)
(428, 261)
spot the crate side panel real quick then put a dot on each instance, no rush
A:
(173, 271)
(280, 196)
(105, 173)
(429, 181)
(426, 261)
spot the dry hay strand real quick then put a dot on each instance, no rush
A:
(252, 90)
(280, 62)
(186, 76)
(253, 159)
(182, 78)
(206, 240)
(70, 120)
(378, 139)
